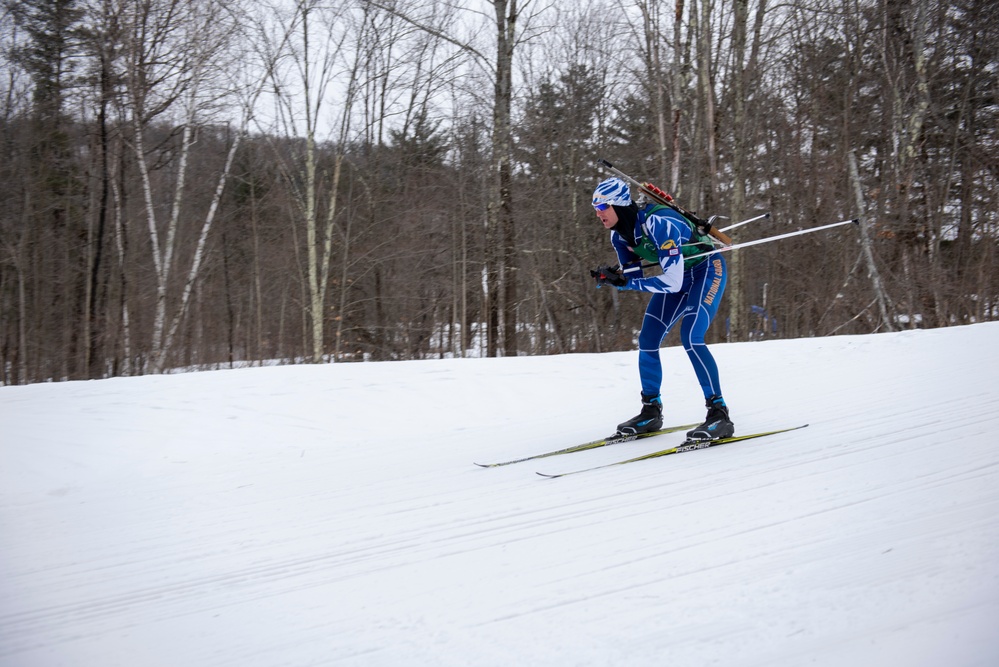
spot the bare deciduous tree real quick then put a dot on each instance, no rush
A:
(176, 67)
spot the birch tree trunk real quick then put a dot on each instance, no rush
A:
(880, 295)
(199, 251)
(119, 240)
(313, 103)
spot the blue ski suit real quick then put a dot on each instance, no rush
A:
(689, 290)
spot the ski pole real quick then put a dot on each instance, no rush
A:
(768, 239)
(661, 197)
(744, 222)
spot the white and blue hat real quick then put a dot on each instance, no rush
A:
(611, 192)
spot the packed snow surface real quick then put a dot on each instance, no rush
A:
(332, 514)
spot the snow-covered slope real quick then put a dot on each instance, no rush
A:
(331, 515)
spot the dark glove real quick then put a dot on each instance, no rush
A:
(608, 275)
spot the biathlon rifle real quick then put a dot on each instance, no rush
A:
(661, 197)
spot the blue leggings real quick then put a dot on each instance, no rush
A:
(696, 304)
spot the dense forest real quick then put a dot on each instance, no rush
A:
(203, 183)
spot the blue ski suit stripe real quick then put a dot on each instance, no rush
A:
(691, 296)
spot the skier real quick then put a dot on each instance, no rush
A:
(688, 289)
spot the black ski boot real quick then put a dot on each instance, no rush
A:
(649, 419)
(717, 424)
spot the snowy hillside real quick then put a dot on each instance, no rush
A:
(331, 515)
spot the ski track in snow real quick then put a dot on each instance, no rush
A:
(331, 515)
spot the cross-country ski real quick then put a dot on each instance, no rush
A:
(685, 446)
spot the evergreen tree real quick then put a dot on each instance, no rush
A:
(48, 57)
(54, 222)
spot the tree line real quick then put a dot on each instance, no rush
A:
(204, 183)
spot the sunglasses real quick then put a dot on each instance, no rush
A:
(601, 207)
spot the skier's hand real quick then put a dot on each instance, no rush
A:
(608, 275)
